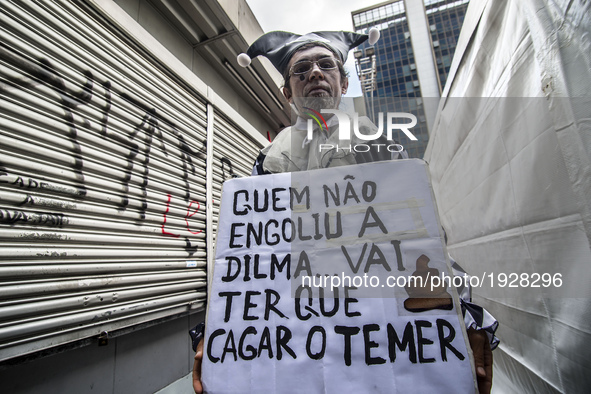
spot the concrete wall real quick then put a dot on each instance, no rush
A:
(154, 22)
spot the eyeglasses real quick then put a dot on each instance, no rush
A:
(305, 66)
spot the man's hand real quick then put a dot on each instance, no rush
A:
(482, 358)
(197, 386)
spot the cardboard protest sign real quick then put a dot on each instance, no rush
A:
(333, 281)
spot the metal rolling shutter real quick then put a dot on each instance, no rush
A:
(234, 154)
(102, 180)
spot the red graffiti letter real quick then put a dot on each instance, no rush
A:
(164, 232)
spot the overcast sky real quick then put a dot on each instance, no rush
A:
(304, 16)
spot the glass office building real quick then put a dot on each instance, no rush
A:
(413, 57)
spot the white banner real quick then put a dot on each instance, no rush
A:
(334, 281)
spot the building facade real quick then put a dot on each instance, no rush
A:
(413, 57)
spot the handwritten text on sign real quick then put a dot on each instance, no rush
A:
(276, 307)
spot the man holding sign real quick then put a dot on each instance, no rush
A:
(350, 219)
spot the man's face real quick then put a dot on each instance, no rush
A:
(317, 88)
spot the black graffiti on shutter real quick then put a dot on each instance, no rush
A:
(27, 201)
(43, 71)
(231, 174)
(50, 219)
(124, 199)
(149, 125)
(187, 152)
(190, 249)
(13, 216)
(69, 100)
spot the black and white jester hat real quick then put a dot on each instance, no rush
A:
(279, 46)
